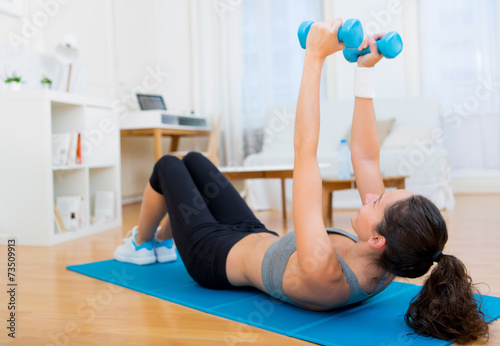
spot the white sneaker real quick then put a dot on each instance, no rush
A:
(164, 250)
(130, 252)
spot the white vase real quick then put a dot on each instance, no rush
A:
(14, 86)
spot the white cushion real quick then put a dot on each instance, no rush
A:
(406, 137)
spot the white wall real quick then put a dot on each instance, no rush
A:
(153, 50)
(135, 57)
(173, 50)
(153, 55)
(8, 24)
(44, 23)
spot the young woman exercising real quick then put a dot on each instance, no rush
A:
(223, 244)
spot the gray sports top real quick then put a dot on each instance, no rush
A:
(276, 259)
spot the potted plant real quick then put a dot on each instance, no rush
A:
(14, 82)
(46, 83)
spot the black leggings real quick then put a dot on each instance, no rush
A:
(207, 214)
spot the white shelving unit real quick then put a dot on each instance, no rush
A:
(29, 184)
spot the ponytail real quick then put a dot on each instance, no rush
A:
(446, 307)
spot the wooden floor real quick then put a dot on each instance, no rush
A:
(59, 307)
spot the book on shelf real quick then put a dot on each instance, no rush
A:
(59, 223)
(104, 206)
(66, 149)
(71, 211)
(79, 150)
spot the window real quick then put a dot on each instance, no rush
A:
(460, 66)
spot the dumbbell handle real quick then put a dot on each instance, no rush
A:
(389, 46)
(351, 33)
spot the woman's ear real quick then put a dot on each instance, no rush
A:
(377, 242)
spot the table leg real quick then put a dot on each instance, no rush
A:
(283, 200)
(157, 144)
(327, 206)
(401, 184)
(330, 209)
(174, 144)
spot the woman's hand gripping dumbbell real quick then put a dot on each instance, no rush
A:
(389, 45)
(350, 33)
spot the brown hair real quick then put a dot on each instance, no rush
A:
(446, 307)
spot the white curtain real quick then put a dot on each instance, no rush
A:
(272, 59)
(216, 31)
(246, 58)
(460, 61)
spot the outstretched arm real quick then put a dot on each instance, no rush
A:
(365, 146)
(310, 234)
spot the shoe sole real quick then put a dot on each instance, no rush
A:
(138, 261)
(169, 258)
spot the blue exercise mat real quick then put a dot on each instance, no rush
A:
(377, 321)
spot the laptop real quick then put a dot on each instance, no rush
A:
(151, 102)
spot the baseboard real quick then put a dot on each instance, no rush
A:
(476, 185)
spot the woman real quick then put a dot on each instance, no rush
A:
(223, 245)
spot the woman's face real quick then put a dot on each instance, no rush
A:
(365, 220)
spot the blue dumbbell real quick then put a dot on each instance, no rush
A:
(351, 33)
(389, 46)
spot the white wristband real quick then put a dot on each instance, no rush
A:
(363, 82)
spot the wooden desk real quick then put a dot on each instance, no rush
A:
(262, 172)
(158, 133)
(333, 184)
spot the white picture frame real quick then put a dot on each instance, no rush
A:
(12, 7)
